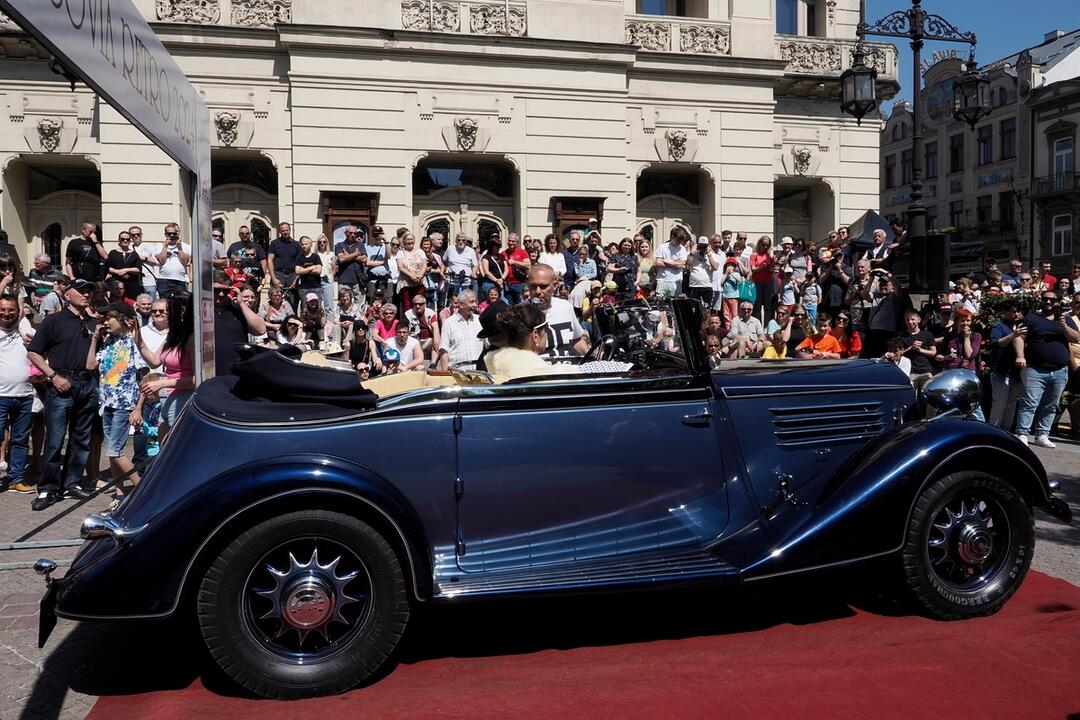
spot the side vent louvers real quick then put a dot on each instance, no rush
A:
(825, 424)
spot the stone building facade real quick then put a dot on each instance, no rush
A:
(465, 115)
(994, 185)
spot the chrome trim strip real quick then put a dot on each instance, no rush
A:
(838, 563)
(198, 551)
(786, 391)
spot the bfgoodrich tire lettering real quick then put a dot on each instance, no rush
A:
(304, 604)
(968, 545)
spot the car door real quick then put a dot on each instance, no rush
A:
(562, 472)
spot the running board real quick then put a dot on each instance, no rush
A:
(652, 569)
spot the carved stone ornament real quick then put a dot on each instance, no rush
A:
(466, 129)
(676, 143)
(811, 57)
(227, 124)
(705, 40)
(49, 133)
(875, 58)
(424, 15)
(802, 157)
(830, 6)
(188, 11)
(5, 20)
(265, 13)
(492, 20)
(648, 35)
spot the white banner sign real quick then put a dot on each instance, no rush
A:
(112, 48)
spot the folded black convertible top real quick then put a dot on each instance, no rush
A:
(270, 387)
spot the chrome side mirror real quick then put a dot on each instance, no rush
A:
(953, 390)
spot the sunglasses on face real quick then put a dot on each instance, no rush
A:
(157, 312)
(136, 234)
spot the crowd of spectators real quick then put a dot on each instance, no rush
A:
(108, 345)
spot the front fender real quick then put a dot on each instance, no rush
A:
(862, 511)
(149, 574)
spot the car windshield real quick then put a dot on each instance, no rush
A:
(642, 329)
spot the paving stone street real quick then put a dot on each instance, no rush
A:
(82, 661)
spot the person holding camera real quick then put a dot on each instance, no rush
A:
(173, 258)
(85, 255)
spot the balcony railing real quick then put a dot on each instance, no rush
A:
(832, 56)
(479, 17)
(679, 35)
(1059, 182)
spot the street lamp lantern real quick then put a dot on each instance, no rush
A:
(858, 87)
(971, 95)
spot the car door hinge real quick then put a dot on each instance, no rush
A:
(459, 546)
(457, 424)
(459, 488)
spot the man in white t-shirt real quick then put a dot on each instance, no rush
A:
(408, 349)
(174, 257)
(565, 334)
(16, 395)
(670, 261)
(155, 332)
(462, 265)
(146, 253)
(700, 272)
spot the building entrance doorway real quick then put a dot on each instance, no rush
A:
(666, 200)
(474, 199)
(57, 218)
(235, 205)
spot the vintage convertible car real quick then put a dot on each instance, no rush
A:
(299, 517)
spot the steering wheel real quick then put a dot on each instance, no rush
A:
(602, 350)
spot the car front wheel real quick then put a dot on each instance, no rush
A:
(304, 604)
(968, 545)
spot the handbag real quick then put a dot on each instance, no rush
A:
(747, 291)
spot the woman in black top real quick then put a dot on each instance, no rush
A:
(361, 351)
(125, 265)
(309, 268)
(493, 268)
(624, 267)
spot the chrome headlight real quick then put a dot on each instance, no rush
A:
(958, 390)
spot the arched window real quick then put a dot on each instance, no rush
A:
(442, 225)
(260, 233)
(484, 230)
(50, 239)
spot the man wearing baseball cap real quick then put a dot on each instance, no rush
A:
(59, 351)
(378, 269)
(700, 271)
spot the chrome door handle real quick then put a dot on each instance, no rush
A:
(701, 420)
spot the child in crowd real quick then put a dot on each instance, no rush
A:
(777, 348)
(788, 290)
(811, 296)
(118, 364)
(712, 347)
(147, 415)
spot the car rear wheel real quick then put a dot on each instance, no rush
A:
(304, 604)
(968, 545)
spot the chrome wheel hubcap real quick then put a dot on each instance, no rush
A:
(305, 610)
(968, 541)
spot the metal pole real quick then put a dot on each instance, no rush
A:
(916, 210)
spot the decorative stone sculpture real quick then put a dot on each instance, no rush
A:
(875, 57)
(49, 133)
(648, 35)
(265, 13)
(227, 123)
(466, 132)
(422, 15)
(676, 143)
(188, 11)
(493, 20)
(705, 40)
(802, 159)
(811, 57)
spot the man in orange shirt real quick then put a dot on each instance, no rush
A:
(822, 344)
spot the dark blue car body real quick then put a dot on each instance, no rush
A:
(757, 470)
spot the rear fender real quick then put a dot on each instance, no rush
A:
(162, 564)
(863, 510)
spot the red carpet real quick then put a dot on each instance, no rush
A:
(1023, 662)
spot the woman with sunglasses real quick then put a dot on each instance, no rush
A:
(176, 359)
(326, 277)
(849, 338)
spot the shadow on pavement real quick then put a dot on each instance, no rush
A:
(138, 657)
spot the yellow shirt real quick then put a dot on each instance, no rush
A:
(771, 354)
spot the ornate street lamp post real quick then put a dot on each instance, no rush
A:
(858, 94)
